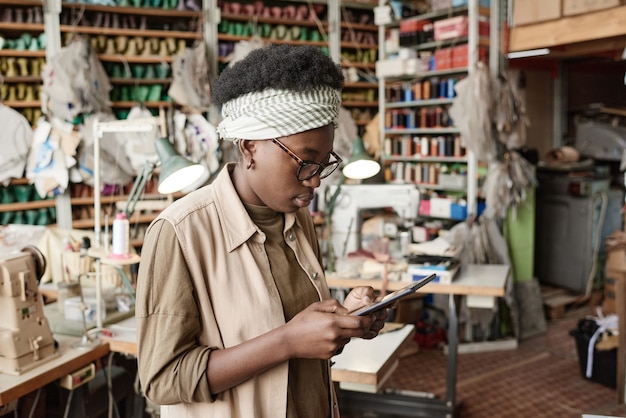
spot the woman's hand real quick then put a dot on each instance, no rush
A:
(363, 296)
(323, 328)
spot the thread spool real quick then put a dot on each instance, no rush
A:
(121, 233)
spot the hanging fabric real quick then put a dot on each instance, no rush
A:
(472, 112)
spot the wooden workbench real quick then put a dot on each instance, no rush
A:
(69, 360)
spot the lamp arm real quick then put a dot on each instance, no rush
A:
(138, 186)
(330, 207)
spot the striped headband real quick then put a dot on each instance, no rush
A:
(275, 113)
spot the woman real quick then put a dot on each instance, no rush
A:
(234, 315)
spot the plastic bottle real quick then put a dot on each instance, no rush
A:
(121, 230)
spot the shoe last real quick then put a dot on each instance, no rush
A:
(162, 70)
(110, 48)
(138, 70)
(7, 15)
(20, 45)
(11, 69)
(140, 44)
(121, 44)
(18, 15)
(22, 65)
(23, 92)
(191, 5)
(235, 8)
(22, 192)
(41, 40)
(131, 47)
(154, 94)
(248, 9)
(302, 13)
(150, 72)
(289, 12)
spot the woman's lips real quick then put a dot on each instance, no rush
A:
(304, 200)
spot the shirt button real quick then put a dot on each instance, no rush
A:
(292, 236)
(314, 276)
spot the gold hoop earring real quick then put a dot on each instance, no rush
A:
(250, 164)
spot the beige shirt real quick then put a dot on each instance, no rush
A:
(205, 283)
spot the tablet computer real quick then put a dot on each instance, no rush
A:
(389, 299)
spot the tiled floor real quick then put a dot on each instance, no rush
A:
(540, 378)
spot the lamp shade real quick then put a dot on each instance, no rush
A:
(360, 165)
(177, 172)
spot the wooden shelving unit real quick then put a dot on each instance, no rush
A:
(602, 32)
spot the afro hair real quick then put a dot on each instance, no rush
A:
(281, 67)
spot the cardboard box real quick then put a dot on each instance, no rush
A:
(460, 55)
(440, 4)
(457, 27)
(440, 207)
(443, 59)
(576, 7)
(616, 261)
(533, 11)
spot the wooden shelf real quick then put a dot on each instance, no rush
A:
(237, 38)
(130, 104)
(21, 104)
(360, 85)
(136, 59)
(269, 20)
(140, 11)
(21, 54)
(23, 3)
(360, 27)
(347, 64)
(351, 103)
(594, 33)
(144, 33)
(23, 79)
(21, 27)
(135, 81)
(357, 45)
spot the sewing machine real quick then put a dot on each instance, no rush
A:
(25, 337)
(353, 199)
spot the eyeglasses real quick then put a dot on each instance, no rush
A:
(309, 169)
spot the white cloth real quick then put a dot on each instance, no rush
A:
(275, 113)
(16, 137)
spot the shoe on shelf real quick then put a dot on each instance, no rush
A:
(22, 66)
(162, 70)
(289, 12)
(110, 48)
(138, 70)
(11, 69)
(41, 40)
(18, 15)
(121, 44)
(248, 9)
(115, 21)
(154, 94)
(150, 72)
(20, 91)
(7, 15)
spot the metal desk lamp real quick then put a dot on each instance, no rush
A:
(177, 173)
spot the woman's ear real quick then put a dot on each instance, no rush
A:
(246, 148)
